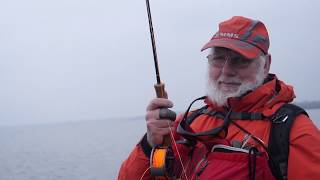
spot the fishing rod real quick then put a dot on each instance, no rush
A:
(159, 87)
(162, 157)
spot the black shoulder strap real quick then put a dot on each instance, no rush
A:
(195, 114)
(279, 136)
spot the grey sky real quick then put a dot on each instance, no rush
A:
(91, 59)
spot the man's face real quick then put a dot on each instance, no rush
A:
(231, 74)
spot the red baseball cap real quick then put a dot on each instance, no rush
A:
(243, 35)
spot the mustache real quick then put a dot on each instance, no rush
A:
(232, 80)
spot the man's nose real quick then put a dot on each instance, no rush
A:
(228, 69)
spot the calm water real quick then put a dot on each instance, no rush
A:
(90, 150)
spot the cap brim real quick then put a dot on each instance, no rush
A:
(245, 49)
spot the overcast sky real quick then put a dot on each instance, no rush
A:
(68, 60)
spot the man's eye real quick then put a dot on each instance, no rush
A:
(218, 60)
(218, 57)
(237, 59)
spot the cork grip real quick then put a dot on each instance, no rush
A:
(161, 93)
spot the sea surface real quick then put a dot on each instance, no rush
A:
(87, 150)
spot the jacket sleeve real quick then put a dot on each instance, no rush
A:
(304, 153)
(136, 165)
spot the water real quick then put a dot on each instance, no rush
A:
(91, 150)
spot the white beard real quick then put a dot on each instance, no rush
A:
(220, 98)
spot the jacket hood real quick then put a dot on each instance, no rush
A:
(266, 98)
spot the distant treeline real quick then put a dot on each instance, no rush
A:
(309, 104)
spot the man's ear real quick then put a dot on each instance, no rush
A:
(267, 64)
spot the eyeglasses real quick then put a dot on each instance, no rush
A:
(235, 61)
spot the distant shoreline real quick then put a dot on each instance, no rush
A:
(309, 104)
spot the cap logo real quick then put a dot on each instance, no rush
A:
(226, 34)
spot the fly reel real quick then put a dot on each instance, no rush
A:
(161, 161)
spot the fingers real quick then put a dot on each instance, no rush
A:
(152, 114)
(157, 127)
(163, 123)
(159, 103)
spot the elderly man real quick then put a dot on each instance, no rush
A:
(247, 128)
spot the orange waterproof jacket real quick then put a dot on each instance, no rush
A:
(304, 156)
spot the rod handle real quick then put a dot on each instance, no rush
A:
(161, 93)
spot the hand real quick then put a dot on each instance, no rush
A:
(157, 128)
